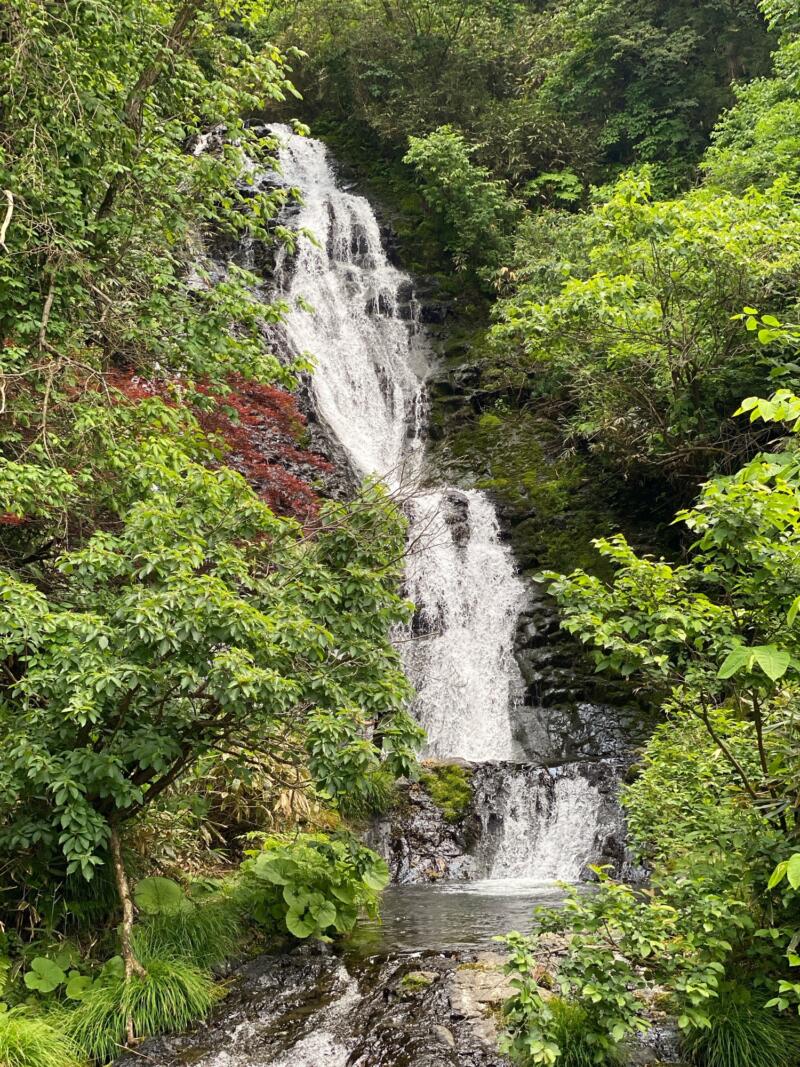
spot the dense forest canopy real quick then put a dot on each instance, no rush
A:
(195, 640)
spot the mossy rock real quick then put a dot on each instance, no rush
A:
(416, 981)
(450, 788)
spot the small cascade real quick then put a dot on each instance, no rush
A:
(543, 825)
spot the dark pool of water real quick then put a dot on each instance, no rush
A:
(451, 916)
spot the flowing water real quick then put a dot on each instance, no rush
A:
(356, 315)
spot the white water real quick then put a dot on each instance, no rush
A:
(550, 831)
(468, 599)
(355, 315)
(369, 362)
(370, 358)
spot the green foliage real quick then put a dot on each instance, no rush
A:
(107, 201)
(714, 636)
(29, 1040)
(623, 942)
(639, 347)
(757, 141)
(171, 996)
(564, 84)
(740, 1031)
(186, 628)
(450, 788)
(314, 885)
(476, 213)
(571, 1033)
(204, 933)
(159, 896)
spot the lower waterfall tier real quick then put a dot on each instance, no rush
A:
(522, 822)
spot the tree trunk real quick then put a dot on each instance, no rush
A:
(132, 965)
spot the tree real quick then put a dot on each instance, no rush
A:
(475, 212)
(199, 622)
(639, 353)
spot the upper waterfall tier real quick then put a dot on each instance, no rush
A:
(356, 316)
(354, 313)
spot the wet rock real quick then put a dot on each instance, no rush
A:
(444, 1035)
(479, 990)
(420, 845)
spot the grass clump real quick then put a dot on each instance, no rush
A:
(572, 1033)
(376, 794)
(204, 934)
(743, 1032)
(28, 1040)
(172, 995)
(450, 788)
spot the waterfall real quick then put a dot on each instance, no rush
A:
(550, 823)
(356, 316)
(468, 598)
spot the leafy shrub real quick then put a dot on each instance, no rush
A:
(375, 795)
(622, 942)
(172, 995)
(476, 213)
(28, 1040)
(314, 885)
(742, 1032)
(450, 790)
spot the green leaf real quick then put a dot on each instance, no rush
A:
(159, 896)
(773, 661)
(44, 975)
(78, 985)
(735, 660)
(777, 875)
(793, 870)
(298, 926)
(324, 913)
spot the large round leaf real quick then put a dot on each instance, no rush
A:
(298, 925)
(159, 896)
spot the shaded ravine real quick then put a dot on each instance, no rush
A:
(358, 317)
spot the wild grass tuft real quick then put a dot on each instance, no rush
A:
(742, 1032)
(32, 1041)
(204, 934)
(172, 996)
(572, 1034)
(376, 794)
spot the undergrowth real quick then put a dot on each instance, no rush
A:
(28, 1040)
(171, 997)
(572, 1036)
(743, 1033)
(203, 934)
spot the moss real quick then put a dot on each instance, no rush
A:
(449, 787)
(415, 981)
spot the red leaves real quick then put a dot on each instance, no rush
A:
(261, 428)
(7, 519)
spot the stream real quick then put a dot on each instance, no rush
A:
(531, 824)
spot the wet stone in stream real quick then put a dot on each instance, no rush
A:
(311, 1008)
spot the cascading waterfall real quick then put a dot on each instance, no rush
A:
(354, 313)
(356, 316)
(468, 598)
